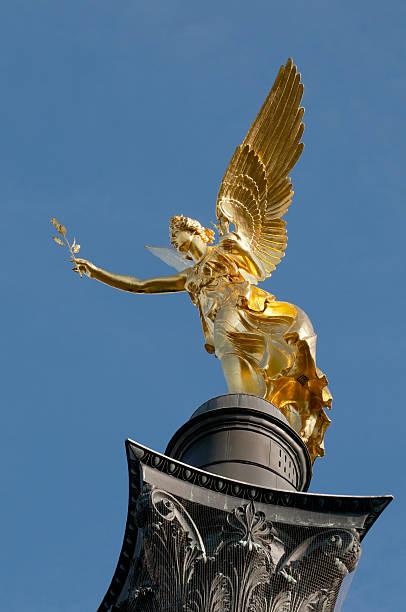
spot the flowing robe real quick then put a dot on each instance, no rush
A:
(276, 339)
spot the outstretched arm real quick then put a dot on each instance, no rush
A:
(163, 284)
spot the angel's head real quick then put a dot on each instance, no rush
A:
(186, 233)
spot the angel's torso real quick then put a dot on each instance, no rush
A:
(217, 285)
(217, 273)
(213, 283)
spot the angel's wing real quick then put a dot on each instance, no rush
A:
(171, 256)
(256, 190)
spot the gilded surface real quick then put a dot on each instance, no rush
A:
(266, 347)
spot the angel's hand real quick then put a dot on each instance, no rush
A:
(82, 266)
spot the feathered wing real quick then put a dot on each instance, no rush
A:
(256, 190)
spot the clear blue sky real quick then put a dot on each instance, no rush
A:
(115, 116)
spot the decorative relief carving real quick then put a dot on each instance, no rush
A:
(247, 527)
(257, 566)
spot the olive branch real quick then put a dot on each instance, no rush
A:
(74, 248)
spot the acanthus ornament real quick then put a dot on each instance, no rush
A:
(258, 566)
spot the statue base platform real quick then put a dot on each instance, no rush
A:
(202, 540)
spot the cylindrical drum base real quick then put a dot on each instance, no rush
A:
(246, 438)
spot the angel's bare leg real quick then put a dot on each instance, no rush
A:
(241, 377)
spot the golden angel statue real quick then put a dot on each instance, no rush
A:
(265, 347)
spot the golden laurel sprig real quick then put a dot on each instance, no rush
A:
(74, 248)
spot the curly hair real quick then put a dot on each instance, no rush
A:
(179, 223)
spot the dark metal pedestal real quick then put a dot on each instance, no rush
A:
(200, 541)
(244, 437)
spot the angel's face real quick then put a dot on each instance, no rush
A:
(183, 241)
(191, 244)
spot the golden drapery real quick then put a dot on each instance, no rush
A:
(274, 339)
